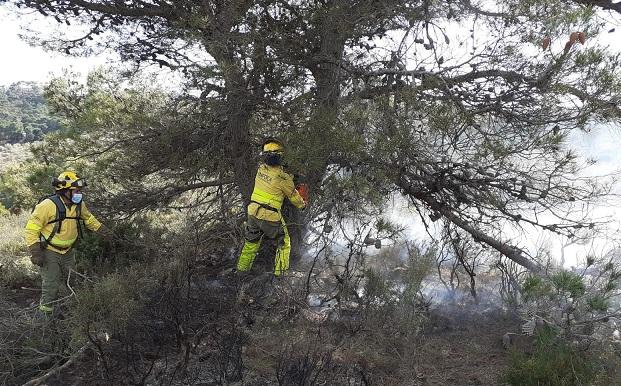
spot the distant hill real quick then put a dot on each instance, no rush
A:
(24, 116)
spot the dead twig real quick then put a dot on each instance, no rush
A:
(56, 370)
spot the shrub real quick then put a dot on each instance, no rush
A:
(15, 266)
(30, 345)
(136, 241)
(23, 185)
(574, 307)
(535, 287)
(3, 211)
(554, 363)
(568, 283)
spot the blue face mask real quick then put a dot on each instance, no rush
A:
(76, 198)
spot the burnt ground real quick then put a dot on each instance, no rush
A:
(461, 344)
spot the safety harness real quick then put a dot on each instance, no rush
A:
(264, 206)
(61, 214)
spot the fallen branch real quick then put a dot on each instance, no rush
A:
(57, 370)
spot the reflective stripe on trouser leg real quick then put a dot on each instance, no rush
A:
(247, 255)
(46, 309)
(281, 261)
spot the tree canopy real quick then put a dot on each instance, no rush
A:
(461, 107)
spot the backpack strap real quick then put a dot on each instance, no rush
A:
(79, 221)
(61, 214)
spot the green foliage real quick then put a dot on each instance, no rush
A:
(420, 264)
(24, 116)
(554, 363)
(90, 251)
(12, 154)
(377, 289)
(564, 296)
(535, 287)
(130, 246)
(570, 283)
(396, 301)
(108, 119)
(575, 347)
(598, 303)
(112, 303)
(23, 185)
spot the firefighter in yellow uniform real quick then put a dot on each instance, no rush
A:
(272, 184)
(52, 230)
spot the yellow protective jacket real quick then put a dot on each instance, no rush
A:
(271, 185)
(39, 225)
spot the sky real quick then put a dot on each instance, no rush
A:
(22, 62)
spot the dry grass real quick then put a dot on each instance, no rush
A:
(12, 234)
(15, 266)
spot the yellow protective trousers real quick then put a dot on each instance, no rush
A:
(256, 230)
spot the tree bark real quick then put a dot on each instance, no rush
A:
(326, 70)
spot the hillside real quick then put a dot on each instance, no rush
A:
(24, 115)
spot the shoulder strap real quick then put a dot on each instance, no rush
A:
(61, 210)
(79, 221)
(61, 213)
(38, 202)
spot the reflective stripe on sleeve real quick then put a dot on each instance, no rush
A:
(31, 226)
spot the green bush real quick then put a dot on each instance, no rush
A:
(569, 283)
(598, 303)
(397, 305)
(554, 363)
(23, 184)
(536, 287)
(111, 304)
(134, 241)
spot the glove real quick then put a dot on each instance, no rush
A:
(303, 191)
(37, 257)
